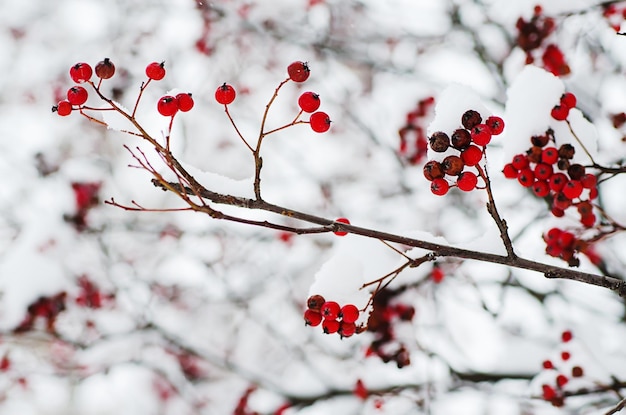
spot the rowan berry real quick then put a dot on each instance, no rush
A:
(548, 392)
(549, 155)
(439, 187)
(495, 124)
(576, 171)
(567, 151)
(77, 95)
(439, 142)
(184, 100)
(547, 364)
(566, 336)
(461, 139)
(433, 170)
(557, 181)
(470, 119)
(539, 140)
(309, 101)
(559, 112)
(225, 94)
(509, 171)
(320, 122)
(81, 72)
(63, 108)
(541, 188)
(467, 181)
(584, 208)
(346, 329)
(315, 302)
(312, 318)
(589, 181)
(167, 106)
(534, 154)
(588, 220)
(342, 220)
(330, 326)
(471, 155)
(105, 69)
(481, 134)
(330, 310)
(437, 275)
(561, 201)
(452, 165)
(155, 71)
(520, 161)
(526, 177)
(543, 171)
(568, 100)
(298, 71)
(577, 372)
(572, 189)
(561, 380)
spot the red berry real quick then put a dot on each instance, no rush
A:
(568, 100)
(77, 95)
(81, 72)
(225, 94)
(156, 71)
(312, 318)
(167, 106)
(572, 189)
(342, 220)
(541, 188)
(566, 240)
(526, 177)
(549, 155)
(298, 71)
(63, 108)
(548, 392)
(520, 161)
(330, 310)
(471, 156)
(320, 122)
(577, 372)
(481, 134)
(184, 101)
(588, 220)
(561, 380)
(495, 124)
(566, 336)
(565, 356)
(349, 313)
(543, 171)
(589, 181)
(105, 69)
(509, 171)
(439, 187)
(467, 181)
(346, 329)
(437, 275)
(560, 112)
(330, 326)
(547, 364)
(557, 181)
(561, 201)
(309, 101)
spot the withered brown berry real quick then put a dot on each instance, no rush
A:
(470, 119)
(563, 164)
(576, 171)
(566, 151)
(105, 69)
(433, 170)
(534, 154)
(439, 142)
(539, 140)
(461, 139)
(315, 302)
(453, 165)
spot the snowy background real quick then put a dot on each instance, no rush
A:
(194, 312)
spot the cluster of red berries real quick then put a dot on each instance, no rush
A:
(531, 36)
(90, 295)
(413, 140)
(86, 197)
(538, 169)
(168, 105)
(81, 73)
(614, 14)
(554, 393)
(560, 112)
(46, 308)
(564, 245)
(386, 312)
(468, 142)
(333, 317)
(309, 102)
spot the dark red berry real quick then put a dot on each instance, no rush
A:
(561, 380)
(452, 165)
(539, 140)
(541, 188)
(433, 170)
(567, 151)
(470, 119)
(566, 336)
(588, 220)
(461, 139)
(547, 364)
(495, 124)
(548, 392)
(309, 101)
(298, 71)
(312, 318)
(81, 72)
(576, 171)
(439, 142)
(577, 372)
(467, 181)
(342, 220)
(320, 122)
(63, 108)
(439, 187)
(77, 95)
(437, 275)
(184, 101)
(105, 69)
(225, 94)
(349, 313)
(346, 329)
(330, 310)
(167, 106)
(589, 181)
(315, 302)
(155, 71)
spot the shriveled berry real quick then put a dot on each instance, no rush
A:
(298, 71)
(470, 119)
(433, 170)
(315, 302)
(572, 189)
(495, 124)
(349, 313)
(520, 161)
(559, 112)
(568, 100)
(330, 326)
(312, 318)
(225, 94)
(439, 187)
(576, 171)
(309, 101)
(461, 139)
(167, 106)
(467, 181)
(77, 95)
(526, 177)
(534, 154)
(481, 134)
(81, 72)
(543, 171)
(63, 108)
(566, 151)
(184, 101)
(439, 142)
(541, 188)
(549, 155)
(342, 220)
(577, 372)
(155, 71)
(452, 165)
(105, 69)
(539, 140)
(471, 156)
(557, 181)
(320, 122)
(330, 310)
(509, 171)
